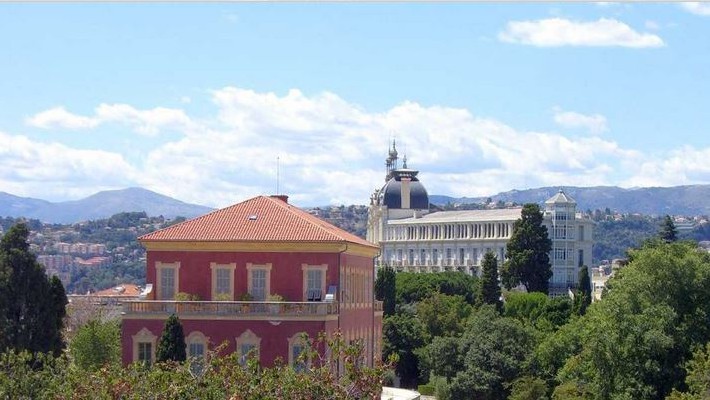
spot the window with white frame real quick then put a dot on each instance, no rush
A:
(144, 346)
(168, 280)
(196, 345)
(313, 281)
(223, 281)
(259, 281)
(248, 345)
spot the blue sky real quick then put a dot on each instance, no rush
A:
(197, 101)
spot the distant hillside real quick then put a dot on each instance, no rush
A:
(97, 206)
(677, 200)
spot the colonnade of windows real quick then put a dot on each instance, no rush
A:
(488, 230)
(440, 255)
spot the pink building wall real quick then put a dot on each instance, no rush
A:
(353, 274)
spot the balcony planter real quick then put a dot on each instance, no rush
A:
(275, 308)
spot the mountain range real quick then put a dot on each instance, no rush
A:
(676, 200)
(97, 206)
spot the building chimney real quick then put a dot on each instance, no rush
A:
(281, 197)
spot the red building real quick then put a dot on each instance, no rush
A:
(234, 262)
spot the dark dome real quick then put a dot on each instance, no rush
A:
(418, 197)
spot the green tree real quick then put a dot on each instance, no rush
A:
(403, 334)
(414, 287)
(490, 287)
(668, 232)
(698, 376)
(490, 355)
(385, 288)
(96, 344)
(32, 306)
(545, 313)
(443, 315)
(528, 388)
(172, 342)
(528, 252)
(583, 295)
(635, 342)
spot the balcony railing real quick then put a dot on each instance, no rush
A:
(231, 308)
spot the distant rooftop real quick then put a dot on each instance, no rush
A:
(560, 198)
(502, 214)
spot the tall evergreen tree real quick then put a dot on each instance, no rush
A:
(528, 252)
(32, 306)
(385, 288)
(668, 232)
(583, 297)
(490, 288)
(172, 342)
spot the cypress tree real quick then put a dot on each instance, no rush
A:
(172, 342)
(668, 232)
(583, 297)
(528, 253)
(385, 288)
(490, 288)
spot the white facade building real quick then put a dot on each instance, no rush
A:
(413, 239)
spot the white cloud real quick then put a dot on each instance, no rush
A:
(332, 152)
(595, 123)
(31, 168)
(684, 166)
(697, 8)
(61, 118)
(148, 122)
(556, 32)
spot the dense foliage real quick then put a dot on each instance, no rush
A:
(37, 376)
(412, 287)
(95, 345)
(32, 306)
(528, 252)
(635, 343)
(613, 238)
(648, 338)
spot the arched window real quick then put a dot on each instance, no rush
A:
(196, 343)
(144, 346)
(248, 345)
(296, 346)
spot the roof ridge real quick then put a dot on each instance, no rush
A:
(319, 223)
(193, 219)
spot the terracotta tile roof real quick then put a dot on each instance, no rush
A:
(260, 219)
(124, 289)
